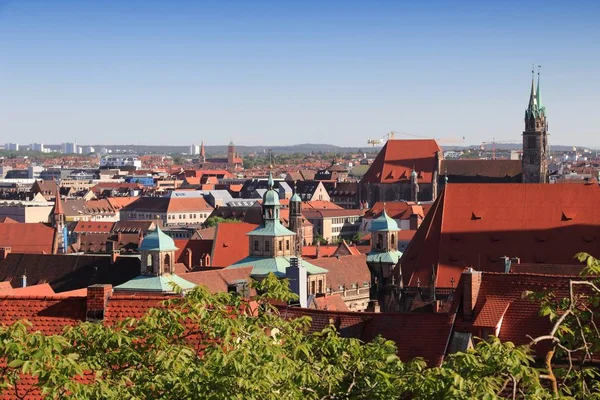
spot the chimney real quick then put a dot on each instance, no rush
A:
(206, 259)
(471, 284)
(318, 250)
(24, 279)
(414, 222)
(298, 280)
(4, 252)
(97, 297)
(113, 255)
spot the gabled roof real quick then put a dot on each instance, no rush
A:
(27, 238)
(475, 225)
(217, 280)
(397, 158)
(231, 243)
(345, 270)
(398, 209)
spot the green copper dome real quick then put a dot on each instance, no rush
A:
(271, 198)
(157, 240)
(384, 223)
(296, 198)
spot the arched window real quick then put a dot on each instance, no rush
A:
(150, 264)
(256, 245)
(393, 241)
(379, 241)
(167, 264)
(267, 247)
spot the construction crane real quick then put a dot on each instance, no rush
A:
(494, 143)
(390, 135)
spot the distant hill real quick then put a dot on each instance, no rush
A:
(297, 148)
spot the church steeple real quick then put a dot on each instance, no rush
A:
(535, 137)
(538, 96)
(58, 222)
(533, 106)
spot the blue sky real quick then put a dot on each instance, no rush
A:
(286, 72)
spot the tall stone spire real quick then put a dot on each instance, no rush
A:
(533, 105)
(538, 96)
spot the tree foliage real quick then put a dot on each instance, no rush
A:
(221, 346)
(215, 220)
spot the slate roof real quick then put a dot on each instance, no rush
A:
(396, 160)
(475, 225)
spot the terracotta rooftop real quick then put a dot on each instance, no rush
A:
(397, 158)
(476, 225)
(27, 238)
(231, 243)
(416, 334)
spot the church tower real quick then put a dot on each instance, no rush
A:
(231, 156)
(59, 224)
(382, 260)
(535, 138)
(202, 153)
(296, 222)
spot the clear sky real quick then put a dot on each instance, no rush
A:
(287, 72)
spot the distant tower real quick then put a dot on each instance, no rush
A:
(58, 222)
(231, 153)
(382, 260)
(202, 153)
(414, 186)
(296, 222)
(535, 138)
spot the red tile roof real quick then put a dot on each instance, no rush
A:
(501, 296)
(331, 303)
(345, 270)
(92, 226)
(27, 238)
(231, 243)
(48, 314)
(216, 281)
(416, 334)
(398, 209)
(198, 247)
(397, 158)
(475, 225)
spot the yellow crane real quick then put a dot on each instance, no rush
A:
(494, 142)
